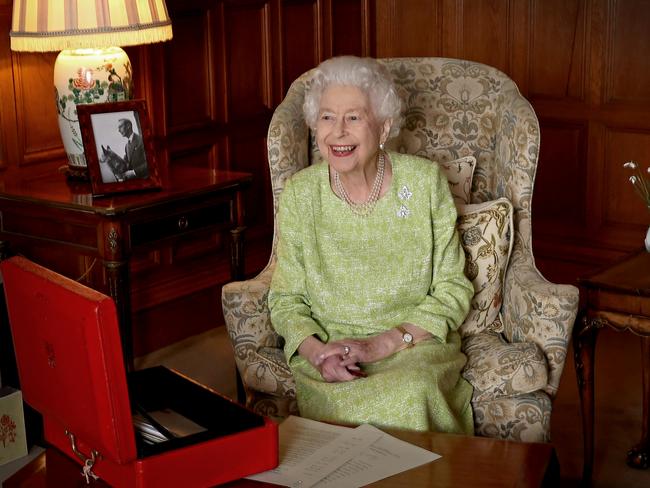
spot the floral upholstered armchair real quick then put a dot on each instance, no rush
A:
(453, 109)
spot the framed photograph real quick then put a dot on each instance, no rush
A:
(118, 147)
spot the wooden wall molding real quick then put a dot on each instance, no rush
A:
(558, 50)
(37, 136)
(627, 74)
(8, 137)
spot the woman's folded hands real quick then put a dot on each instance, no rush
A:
(340, 360)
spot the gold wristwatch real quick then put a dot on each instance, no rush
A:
(407, 337)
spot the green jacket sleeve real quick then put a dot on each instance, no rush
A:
(289, 300)
(447, 303)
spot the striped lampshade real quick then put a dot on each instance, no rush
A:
(54, 25)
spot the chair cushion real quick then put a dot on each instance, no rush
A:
(459, 173)
(486, 235)
(498, 369)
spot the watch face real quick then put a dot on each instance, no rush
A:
(408, 338)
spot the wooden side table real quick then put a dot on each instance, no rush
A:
(59, 223)
(617, 297)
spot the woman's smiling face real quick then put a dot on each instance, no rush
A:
(347, 132)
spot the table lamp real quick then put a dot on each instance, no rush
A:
(90, 68)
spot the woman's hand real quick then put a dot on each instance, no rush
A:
(368, 350)
(312, 350)
(333, 369)
(374, 348)
(331, 366)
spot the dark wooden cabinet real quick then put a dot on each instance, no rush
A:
(129, 245)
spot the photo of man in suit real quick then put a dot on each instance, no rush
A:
(134, 154)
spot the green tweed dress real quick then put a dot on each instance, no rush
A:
(340, 275)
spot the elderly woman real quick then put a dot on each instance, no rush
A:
(369, 289)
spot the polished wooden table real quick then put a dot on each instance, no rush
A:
(59, 223)
(466, 462)
(616, 297)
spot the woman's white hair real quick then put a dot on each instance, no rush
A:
(366, 74)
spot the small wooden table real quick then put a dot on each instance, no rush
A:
(466, 462)
(52, 221)
(618, 297)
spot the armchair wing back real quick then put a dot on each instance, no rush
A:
(452, 108)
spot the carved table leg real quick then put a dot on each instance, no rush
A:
(117, 274)
(584, 344)
(639, 455)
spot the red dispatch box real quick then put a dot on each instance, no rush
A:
(72, 371)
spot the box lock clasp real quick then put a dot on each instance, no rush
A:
(88, 462)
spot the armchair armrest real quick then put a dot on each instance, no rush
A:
(536, 310)
(247, 314)
(258, 348)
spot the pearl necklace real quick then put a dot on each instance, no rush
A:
(363, 209)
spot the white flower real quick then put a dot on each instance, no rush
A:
(403, 212)
(639, 181)
(405, 193)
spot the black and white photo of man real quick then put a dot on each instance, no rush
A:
(120, 147)
(134, 155)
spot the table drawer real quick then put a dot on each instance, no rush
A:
(181, 223)
(620, 303)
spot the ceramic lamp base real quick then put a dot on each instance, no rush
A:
(87, 76)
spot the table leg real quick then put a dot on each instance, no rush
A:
(639, 455)
(117, 274)
(584, 345)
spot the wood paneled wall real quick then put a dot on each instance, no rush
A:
(242, 56)
(211, 91)
(584, 67)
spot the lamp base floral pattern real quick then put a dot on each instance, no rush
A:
(87, 76)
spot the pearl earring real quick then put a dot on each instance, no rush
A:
(381, 146)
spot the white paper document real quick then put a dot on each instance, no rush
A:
(323, 455)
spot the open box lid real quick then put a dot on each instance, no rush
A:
(69, 356)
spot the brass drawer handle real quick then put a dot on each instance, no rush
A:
(183, 223)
